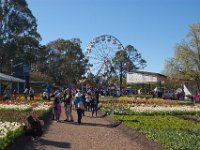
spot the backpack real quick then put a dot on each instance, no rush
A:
(67, 99)
(31, 91)
(81, 105)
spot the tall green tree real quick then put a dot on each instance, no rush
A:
(66, 62)
(19, 38)
(128, 59)
(186, 62)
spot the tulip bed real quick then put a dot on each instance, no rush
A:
(167, 122)
(165, 110)
(37, 97)
(170, 131)
(18, 113)
(124, 100)
(151, 110)
(13, 117)
(8, 132)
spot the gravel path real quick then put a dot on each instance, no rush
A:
(92, 134)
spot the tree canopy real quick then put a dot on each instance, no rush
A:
(186, 62)
(130, 60)
(19, 39)
(65, 61)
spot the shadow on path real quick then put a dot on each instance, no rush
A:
(90, 116)
(85, 124)
(54, 143)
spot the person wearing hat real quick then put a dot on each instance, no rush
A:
(68, 105)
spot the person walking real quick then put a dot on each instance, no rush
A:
(14, 95)
(49, 92)
(45, 95)
(26, 94)
(94, 105)
(7, 94)
(68, 106)
(83, 100)
(79, 106)
(87, 101)
(31, 93)
(57, 106)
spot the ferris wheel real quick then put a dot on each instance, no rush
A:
(100, 53)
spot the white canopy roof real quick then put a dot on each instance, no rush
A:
(143, 77)
(4, 77)
(140, 78)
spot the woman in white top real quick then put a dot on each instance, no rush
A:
(87, 101)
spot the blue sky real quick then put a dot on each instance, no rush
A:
(154, 27)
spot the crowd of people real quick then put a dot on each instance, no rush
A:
(74, 99)
(172, 94)
(28, 92)
(9, 94)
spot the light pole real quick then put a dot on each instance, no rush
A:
(11, 66)
(1, 62)
(18, 71)
(120, 87)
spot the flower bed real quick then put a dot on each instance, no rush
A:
(19, 112)
(24, 106)
(20, 98)
(160, 120)
(16, 107)
(9, 131)
(152, 110)
(171, 132)
(138, 101)
(37, 97)
(165, 110)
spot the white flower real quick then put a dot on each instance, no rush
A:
(6, 127)
(42, 107)
(151, 109)
(15, 107)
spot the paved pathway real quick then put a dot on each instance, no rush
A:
(93, 134)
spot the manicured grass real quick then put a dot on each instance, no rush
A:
(170, 131)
